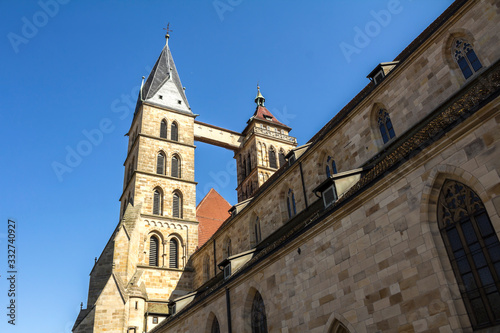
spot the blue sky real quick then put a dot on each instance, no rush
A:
(73, 67)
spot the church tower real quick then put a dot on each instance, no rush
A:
(145, 263)
(262, 152)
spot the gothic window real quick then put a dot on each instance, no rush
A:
(331, 167)
(174, 135)
(163, 129)
(174, 253)
(282, 157)
(157, 202)
(385, 125)
(243, 167)
(176, 170)
(256, 226)
(160, 164)
(153, 251)
(272, 158)
(474, 251)
(215, 326)
(466, 58)
(337, 327)
(258, 315)
(290, 202)
(177, 205)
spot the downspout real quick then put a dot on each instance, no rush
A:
(215, 260)
(228, 306)
(303, 184)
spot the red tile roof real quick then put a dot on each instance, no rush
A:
(211, 212)
(264, 114)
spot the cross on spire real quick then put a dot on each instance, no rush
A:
(168, 30)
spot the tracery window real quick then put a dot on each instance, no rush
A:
(385, 125)
(466, 58)
(258, 315)
(163, 129)
(174, 134)
(153, 251)
(474, 251)
(331, 166)
(272, 158)
(174, 253)
(290, 202)
(160, 164)
(157, 202)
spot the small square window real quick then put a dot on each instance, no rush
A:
(155, 320)
(160, 96)
(179, 102)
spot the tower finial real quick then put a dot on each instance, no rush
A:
(259, 99)
(167, 35)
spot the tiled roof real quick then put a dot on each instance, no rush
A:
(262, 113)
(211, 212)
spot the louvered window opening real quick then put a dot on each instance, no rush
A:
(173, 260)
(474, 251)
(153, 251)
(175, 167)
(174, 135)
(163, 129)
(258, 315)
(160, 164)
(156, 202)
(176, 206)
(272, 159)
(282, 159)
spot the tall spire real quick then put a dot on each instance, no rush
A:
(259, 99)
(163, 86)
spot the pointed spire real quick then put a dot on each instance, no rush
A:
(259, 99)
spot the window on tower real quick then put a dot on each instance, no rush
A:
(177, 205)
(160, 164)
(174, 135)
(176, 170)
(272, 158)
(153, 251)
(174, 255)
(163, 129)
(157, 202)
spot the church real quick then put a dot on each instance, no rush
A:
(386, 220)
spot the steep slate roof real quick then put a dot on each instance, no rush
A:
(163, 86)
(211, 212)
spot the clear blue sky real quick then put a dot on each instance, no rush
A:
(66, 68)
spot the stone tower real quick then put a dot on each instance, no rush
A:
(145, 263)
(263, 149)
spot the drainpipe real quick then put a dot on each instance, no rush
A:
(228, 306)
(303, 184)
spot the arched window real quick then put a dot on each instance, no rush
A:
(290, 202)
(282, 157)
(272, 158)
(163, 129)
(338, 327)
(176, 170)
(474, 251)
(174, 253)
(215, 326)
(331, 166)
(243, 167)
(177, 205)
(160, 164)
(157, 202)
(174, 135)
(466, 58)
(385, 125)
(256, 227)
(153, 251)
(258, 315)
